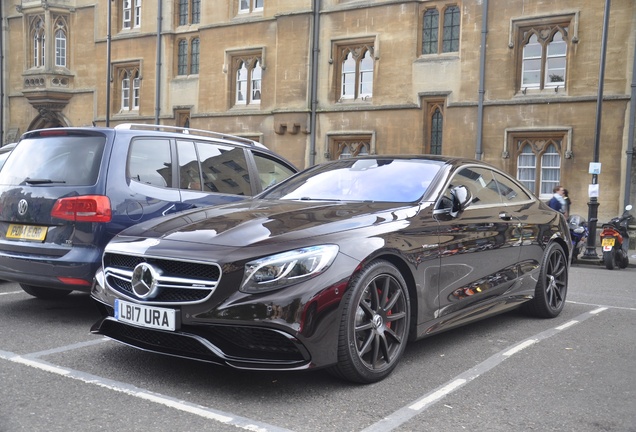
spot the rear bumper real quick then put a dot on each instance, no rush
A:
(45, 271)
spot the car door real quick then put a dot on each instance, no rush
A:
(149, 174)
(478, 247)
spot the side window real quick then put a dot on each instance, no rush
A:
(481, 183)
(223, 169)
(149, 162)
(510, 192)
(189, 171)
(270, 171)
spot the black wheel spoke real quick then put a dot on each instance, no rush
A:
(395, 316)
(376, 351)
(367, 345)
(364, 327)
(396, 296)
(384, 349)
(393, 335)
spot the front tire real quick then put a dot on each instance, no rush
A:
(45, 293)
(375, 324)
(609, 259)
(552, 286)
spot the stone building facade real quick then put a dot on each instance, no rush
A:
(321, 79)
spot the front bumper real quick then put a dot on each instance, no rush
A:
(291, 329)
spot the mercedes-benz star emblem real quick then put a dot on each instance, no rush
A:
(144, 280)
(23, 206)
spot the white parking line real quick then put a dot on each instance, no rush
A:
(12, 292)
(404, 414)
(131, 390)
(521, 346)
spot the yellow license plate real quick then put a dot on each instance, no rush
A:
(26, 232)
(609, 241)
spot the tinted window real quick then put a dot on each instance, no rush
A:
(270, 172)
(481, 183)
(189, 170)
(149, 162)
(223, 168)
(510, 192)
(387, 180)
(67, 160)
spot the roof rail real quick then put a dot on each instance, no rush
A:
(187, 131)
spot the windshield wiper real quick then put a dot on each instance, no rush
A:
(306, 198)
(42, 181)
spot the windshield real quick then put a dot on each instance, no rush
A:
(65, 160)
(377, 179)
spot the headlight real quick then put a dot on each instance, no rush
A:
(287, 268)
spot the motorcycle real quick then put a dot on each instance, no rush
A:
(578, 233)
(615, 241)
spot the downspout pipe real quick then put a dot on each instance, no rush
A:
(2, 104)
(315, 51)
(482, 72)
(630, 138)
(108, 69)
(158, 66)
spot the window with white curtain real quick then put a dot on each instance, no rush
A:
(539, 163)
(248, 73)
(246, 6)
(126, 14)
(60, 48)
(356, 64)
(129, 82)
(38, 38)
(544, 56)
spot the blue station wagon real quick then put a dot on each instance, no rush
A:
(65, 192)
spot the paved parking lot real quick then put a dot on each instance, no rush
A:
(573, 373)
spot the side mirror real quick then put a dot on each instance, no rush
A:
(462, 198)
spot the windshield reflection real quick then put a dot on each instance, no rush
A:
(368, 179)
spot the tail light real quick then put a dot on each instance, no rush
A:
(88, 208)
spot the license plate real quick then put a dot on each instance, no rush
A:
(608, 241)
(145, 316)
(26, 232)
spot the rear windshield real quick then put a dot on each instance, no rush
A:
(63, 160)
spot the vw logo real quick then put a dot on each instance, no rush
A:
(23, 206)
(145, 279)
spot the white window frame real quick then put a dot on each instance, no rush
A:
(136, 91)
(354, 56)
(60, 48)
(126, 14)
(125, 92)
(248, 80)
(248, 6)
(137, 13)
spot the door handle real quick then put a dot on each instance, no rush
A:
(505, 216)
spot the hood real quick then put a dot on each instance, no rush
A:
(263, 221)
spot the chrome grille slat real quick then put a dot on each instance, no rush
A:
(174, 289)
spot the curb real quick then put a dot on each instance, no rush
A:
(598, 262)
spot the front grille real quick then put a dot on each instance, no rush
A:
(180, 282)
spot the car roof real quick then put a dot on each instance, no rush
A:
(450, 160)
(168, 131)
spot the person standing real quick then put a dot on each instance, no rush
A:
(557, 202)
(568, 203)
